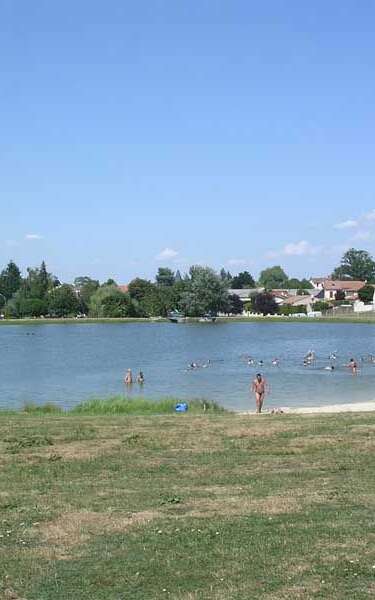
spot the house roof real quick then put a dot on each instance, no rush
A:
(299, 301)
(346, 286)
(124, 288)
(246, 293)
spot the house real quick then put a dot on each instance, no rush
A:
(350, 289)
(318, 282)
(329, 287)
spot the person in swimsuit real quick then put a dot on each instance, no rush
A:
(140, 378)
(128, 380)
(259, 389)
(353, 366)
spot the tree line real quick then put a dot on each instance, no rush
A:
(199, 291)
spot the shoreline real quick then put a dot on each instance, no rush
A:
(364, 320)
(328, 409)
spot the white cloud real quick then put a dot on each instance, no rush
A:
(349, 224)
(370, 216)
(301, 248)
(237, 262)
(33, 236)
(361, 236)
(167, 254)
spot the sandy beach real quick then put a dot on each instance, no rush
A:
(331, 408)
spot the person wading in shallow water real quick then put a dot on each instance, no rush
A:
(259, 389)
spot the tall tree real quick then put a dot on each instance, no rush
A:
(85, 287)
(242, 280)
(235, 306)
(110, 301)
(356, 264)
(63, 301)
(226, 276)
(206, 292)
(273, 278)
(10, 280)
(139, 288)
(165, 277)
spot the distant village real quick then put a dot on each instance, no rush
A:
(326, 294)
(199, 293)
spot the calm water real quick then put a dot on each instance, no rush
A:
(69, 363)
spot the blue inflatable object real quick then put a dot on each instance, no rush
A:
(181, 407)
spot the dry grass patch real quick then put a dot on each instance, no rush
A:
(72, 529)
(82, 450)
(231, 504)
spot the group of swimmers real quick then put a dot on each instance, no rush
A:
(128, 379)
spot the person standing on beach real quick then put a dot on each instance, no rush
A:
(259, 389)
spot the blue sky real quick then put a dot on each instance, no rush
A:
(165, 133)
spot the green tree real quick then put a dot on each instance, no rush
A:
(10, 280)
(28, 307)
(63, 301)
(235, 305)
(298, 284)
(110, 301)
(118, 305)
(321, 306)
(205, 292)
(165, 277)
(85, 287)
(366, 294)
(356, 264)
(226, 276)
(159, 301)
(139, 288)
(110, 281)
(242, 281)
(265, 303)
(273, 278)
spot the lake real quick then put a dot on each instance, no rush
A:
(68, 363)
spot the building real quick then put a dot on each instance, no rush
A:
(330, 287)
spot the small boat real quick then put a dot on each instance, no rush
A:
(176, 316)
(208, 318)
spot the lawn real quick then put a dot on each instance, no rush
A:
(194, 506)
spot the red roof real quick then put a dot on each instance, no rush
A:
(347, 286)
(124, 288)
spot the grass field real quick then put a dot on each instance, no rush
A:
(187, 507)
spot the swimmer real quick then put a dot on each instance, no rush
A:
(259, 389)
(353, 366)
(140, 378)
(310, 356)
(333, 356)
(329, 368)
(250, 362)
(260, 363)
(276, 362)
(128, 380)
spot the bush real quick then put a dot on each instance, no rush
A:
(292, 310)
(265, 303)
(321, 306)
(366, 294)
